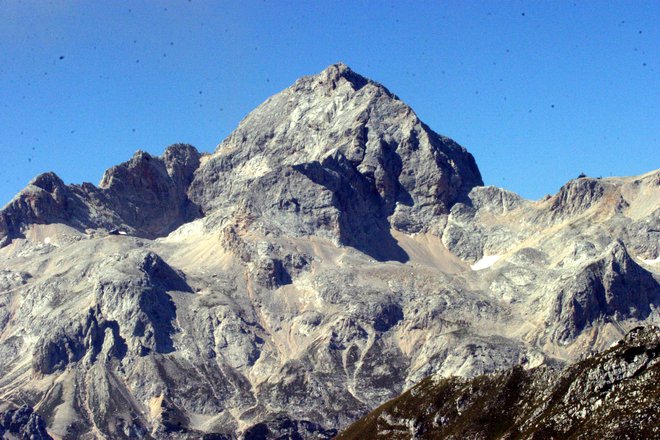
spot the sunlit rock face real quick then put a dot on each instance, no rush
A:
(332, 252)
(336, 156)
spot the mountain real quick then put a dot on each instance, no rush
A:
(332, 252)
(336, 156)
(146, 197)
(611, 395)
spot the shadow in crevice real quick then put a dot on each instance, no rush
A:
(363, 213)
(160, 311)
(162, 275)
(75, 340)
(375, 239)
(157, 305)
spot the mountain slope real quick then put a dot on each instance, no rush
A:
(611, 395)
(331, 253)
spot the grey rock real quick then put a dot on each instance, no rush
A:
(85, 339)
(577, 196)
(495, 200)
(331, 253)
(146, 196)
(613, 286)
(136, 295)
(338, 156)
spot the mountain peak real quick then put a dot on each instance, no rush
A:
(321, 254)
(388, 169)
(145, 196)
(338, 71)
(47, 181)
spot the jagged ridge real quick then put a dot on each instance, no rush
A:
(146, 196)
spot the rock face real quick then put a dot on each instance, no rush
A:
(613, 286)
(23, 423)
(331, 253)
(146, 196)
(611, 395)
(340, 157)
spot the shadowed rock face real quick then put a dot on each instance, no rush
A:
(611, 287)
(283, 427)
(23, 423)
(150, 193)
(74, 342)
(331, 253)
(46, 200)
(577, 196)
(135, 296)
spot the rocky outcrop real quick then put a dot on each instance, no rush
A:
(135, 293)
(611, 395)
(495, 200)
(146, 196)
(470, 231)
(577, 196)
(87, 339)
(23, 423)
(612, 287)
(149, 194)
(45, 200)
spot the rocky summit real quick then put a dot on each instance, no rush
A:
(331, 253)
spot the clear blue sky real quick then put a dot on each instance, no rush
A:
(538, 91)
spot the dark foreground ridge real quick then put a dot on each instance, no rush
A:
(613, 395)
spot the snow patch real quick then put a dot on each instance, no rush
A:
(485, 262)
(654, 261)
(49, 241)
(256, 167)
